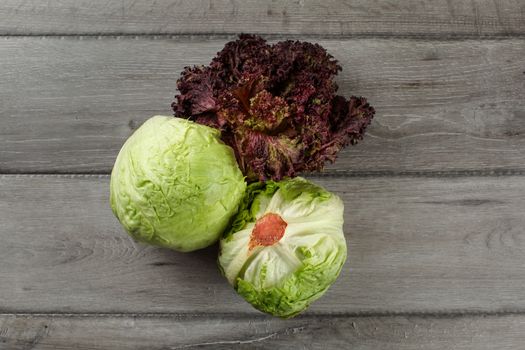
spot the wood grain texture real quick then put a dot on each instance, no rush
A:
(332, 17)
(365, 333)
(415, 245)
(67, 105)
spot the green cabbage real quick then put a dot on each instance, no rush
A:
(175, 184)
(281, 273)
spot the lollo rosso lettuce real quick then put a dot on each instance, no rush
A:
(276, 106)
(285, 246)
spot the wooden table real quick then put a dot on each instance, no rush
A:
(434, 196)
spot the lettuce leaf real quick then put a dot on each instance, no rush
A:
(276, 106)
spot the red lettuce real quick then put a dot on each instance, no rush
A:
(276, 105)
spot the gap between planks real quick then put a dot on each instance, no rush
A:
(328, 174)
(273, 36)
(455, 314)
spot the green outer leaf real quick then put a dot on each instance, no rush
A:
(250, 205)
(296, 292)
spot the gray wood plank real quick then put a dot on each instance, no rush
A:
(415, 245)
(67, 105)
(331, 17)
(171, 332)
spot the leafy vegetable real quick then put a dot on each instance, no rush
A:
(285, 246)
(175, 184)
(276, 105)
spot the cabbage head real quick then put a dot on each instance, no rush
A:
(285, 246)
(175, 184)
